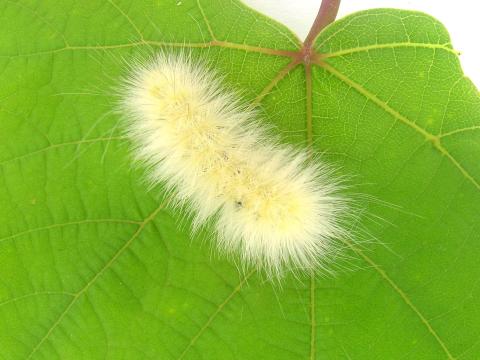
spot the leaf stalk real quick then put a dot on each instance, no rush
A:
(326, 15)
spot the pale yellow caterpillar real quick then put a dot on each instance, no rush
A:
(264, 200)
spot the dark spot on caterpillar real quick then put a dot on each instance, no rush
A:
(238, 204)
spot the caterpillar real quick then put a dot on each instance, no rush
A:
(268, 202)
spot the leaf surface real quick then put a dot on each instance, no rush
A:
(93, 266)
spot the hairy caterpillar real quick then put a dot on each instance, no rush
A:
(266, 201)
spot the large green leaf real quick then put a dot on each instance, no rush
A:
(93, 267)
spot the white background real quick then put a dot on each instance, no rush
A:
(461, 18)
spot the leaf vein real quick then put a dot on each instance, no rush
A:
(64, 293)
(125, 15)
(205, 19)
(213, 43)
(54, 146)
(389, 46)
(60, 225)
(215, 313)
(403, 295)
(428, 136)
(82, 291)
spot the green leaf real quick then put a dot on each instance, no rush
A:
(92, 266)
